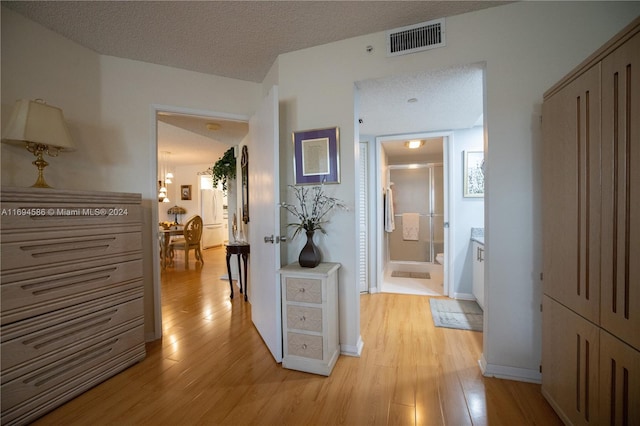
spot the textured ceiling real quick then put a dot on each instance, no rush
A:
(237, 39)
(242, 39)
(435, 100)
(188, 140)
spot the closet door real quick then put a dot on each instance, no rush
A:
(570, 373)
(619, 382)
(620, 310)
(571, 194)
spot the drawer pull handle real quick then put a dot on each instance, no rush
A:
(304, 346)
(303, 318)
(302, 290)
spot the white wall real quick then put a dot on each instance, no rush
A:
(183, 175)
(467, 212)
(107, 102)
(527, 46)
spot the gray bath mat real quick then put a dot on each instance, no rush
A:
(403, 274)
(461, 314)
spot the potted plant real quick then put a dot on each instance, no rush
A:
(311, 213)
(224, 169)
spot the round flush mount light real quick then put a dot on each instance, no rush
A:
(213, 126)
(412, 100)
(414, 144)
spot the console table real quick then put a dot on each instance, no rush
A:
(239, 249)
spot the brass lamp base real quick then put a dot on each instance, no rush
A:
(38, 150)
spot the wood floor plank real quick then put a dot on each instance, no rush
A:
(212, 368)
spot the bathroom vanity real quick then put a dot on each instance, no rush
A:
(477, 241)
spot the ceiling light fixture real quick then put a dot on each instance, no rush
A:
(414, 144)
(412, 100)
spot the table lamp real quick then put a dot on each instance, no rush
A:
(41, 128)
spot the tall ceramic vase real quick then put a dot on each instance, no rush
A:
(310, 254)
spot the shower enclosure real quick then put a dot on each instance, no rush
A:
(418, 210)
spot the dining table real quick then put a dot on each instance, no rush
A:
(165, 241)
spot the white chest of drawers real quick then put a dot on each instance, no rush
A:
(311, 335)
(71, 295)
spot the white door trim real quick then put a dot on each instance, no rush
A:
(448, 213)
(153, 181)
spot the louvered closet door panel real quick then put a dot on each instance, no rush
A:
(619, 382)
(571, 194)
(620, 308)
(570, 364)
(363, 218)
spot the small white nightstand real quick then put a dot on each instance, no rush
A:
(311, 337)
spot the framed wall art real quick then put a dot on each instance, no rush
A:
(473, 174)
(316, 156)
(185, 192)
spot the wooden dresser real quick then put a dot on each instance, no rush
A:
(310, 317)
(591, 233)
(71, 295)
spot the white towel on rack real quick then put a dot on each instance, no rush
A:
(410, 226)
(389, 220)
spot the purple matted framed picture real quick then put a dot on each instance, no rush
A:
(316, 156)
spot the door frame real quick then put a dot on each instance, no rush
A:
(153, 180)
(377, 240)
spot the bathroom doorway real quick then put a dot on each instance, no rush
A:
(446, 103)
(414, 204)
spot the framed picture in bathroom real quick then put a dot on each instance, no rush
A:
(473, 174)
(316, 157)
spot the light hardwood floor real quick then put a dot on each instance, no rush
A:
(211, 367)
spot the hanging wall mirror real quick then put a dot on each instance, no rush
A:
(244, 164)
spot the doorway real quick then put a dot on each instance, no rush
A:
(414, 202)
(195, 139)
(445, 102)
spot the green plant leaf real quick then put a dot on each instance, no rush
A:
(224, 169)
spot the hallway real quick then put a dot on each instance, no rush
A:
(211, 367)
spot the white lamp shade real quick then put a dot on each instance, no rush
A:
(37, 122)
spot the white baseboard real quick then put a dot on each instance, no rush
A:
(351, 350)
(464, 296)
(509, 373)
(151, 336)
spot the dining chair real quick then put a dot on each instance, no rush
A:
(191, 240)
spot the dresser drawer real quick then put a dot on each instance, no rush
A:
(25, 216)
(304, 345)
(304, 318)
(66, 286)
(45, 388)
(45, 338)
(45, 251)
(307, 290)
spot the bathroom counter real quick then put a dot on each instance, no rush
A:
(477, 235)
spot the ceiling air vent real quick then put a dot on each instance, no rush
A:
(415, 38)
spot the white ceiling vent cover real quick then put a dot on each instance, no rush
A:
(415, 38)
